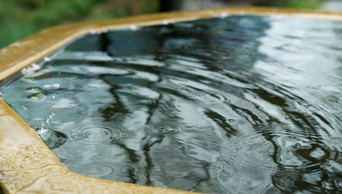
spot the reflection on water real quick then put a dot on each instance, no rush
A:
(241, 104)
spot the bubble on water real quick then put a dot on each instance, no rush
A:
(318, 153)
(92, 135)
(164, 128)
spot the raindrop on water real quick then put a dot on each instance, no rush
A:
(92, 135)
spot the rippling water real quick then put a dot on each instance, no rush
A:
(241, 104)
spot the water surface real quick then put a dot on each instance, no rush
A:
(242, 104)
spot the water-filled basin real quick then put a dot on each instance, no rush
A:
(238, 103)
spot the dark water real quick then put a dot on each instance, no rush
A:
(241, 104)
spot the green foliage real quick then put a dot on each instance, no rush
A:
(309, 4)
(297, 4)
(21, 18)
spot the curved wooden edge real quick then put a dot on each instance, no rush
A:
(26, 164)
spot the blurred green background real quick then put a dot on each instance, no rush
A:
(21, 18)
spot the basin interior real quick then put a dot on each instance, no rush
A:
(233, 104)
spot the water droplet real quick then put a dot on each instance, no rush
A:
(164, 128)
